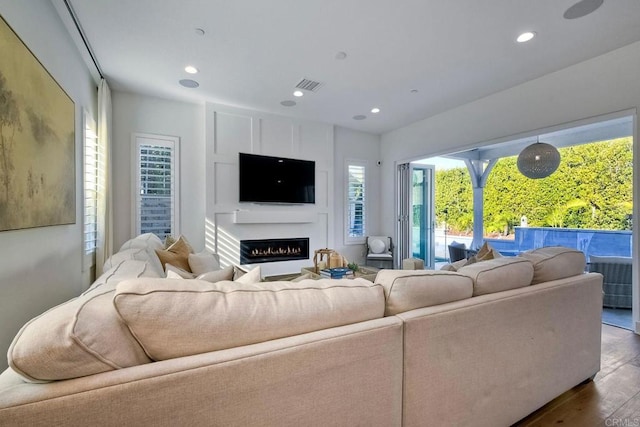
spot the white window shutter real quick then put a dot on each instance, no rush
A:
(356, 203)
(157, 186)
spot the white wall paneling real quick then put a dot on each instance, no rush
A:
(231, 131)
(274, 217)
(277, 137)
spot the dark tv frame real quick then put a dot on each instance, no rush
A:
(307, 167)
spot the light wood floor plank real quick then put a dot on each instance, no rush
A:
(612, 399)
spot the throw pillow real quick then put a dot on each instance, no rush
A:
(173, 272)
(377, 246)
(253, 276)
(169, 240)
(238, 272)
(218, 275)
(455, 266)
(487, 252)
(177, 254)
(204, 262)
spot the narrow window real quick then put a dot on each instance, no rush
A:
(91, 171)
(156, 192)
(356, 202)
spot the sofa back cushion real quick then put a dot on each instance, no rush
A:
(147, 240)
(410, 289)
(499, 274)
(135, 253)
(174, 318)
(80, 337)
(555, 262)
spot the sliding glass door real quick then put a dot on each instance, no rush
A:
(415, 212)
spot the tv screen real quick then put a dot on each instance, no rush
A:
(266, 179)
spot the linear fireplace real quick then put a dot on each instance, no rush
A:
(272, 250)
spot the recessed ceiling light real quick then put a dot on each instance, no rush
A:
(525, 37)
(359, 117)
(298, 93)
(199, 31)
(288, 103)
(189, 83)
(582, 8)
(191, 69)
(414, 90)
(341, 55)
(375, 110)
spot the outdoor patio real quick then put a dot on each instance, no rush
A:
(598, 243)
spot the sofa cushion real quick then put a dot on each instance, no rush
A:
(406, 290)
(174, 318)
(499, 274)
(555, 262)
(83, 336)
(146, 240)
(610, 259)
(140, 253)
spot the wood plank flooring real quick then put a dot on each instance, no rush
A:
(612, 399)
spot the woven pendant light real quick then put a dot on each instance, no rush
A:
(539, 160)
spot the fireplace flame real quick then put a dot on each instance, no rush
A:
(278, 251)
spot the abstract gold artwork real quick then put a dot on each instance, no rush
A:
(37, 141)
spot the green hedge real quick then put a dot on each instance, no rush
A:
(592, 188)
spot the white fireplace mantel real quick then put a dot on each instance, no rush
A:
(274, 217)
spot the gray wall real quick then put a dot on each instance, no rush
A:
(133, 113)
(42, 267)
(359, 146)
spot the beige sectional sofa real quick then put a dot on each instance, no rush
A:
(481, 346)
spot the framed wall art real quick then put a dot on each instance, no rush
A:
(37, 141)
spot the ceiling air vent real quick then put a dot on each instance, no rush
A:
(309, 85)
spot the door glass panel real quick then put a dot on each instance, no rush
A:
(422, 214)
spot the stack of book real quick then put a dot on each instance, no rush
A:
(337, 273)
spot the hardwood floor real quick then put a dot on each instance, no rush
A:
(612, 399)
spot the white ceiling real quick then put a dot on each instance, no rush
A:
(255, 51)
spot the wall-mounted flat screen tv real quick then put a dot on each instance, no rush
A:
(266, 179)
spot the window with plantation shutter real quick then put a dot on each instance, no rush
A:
(356, 202)
(91, 170)
(157, 186)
